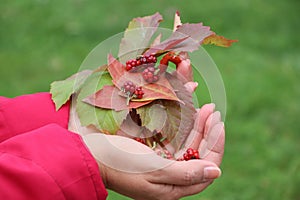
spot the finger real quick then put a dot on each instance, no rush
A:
(212, 119)
(182, 191)
(201, 118)
(171, 192)
(185, 71)
(191, 86)
(196, 135)
(212, 147)
(186, 173)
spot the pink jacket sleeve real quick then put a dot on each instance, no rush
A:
(28, 112)
(39, 157)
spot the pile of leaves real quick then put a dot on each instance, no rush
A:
(165, 112)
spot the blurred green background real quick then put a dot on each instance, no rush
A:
(46, 40)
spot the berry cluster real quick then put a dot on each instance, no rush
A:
(132, 64)
(140, 140)
(129, 88)
(164, 153)
(132, 91)
(150, 75)
(191, 154)
(139, 92)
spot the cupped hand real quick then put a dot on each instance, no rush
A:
(133, 169)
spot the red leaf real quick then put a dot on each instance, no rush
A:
(115, 69)
(160, 90)
(137, 36)
(218, 41)
(120, 75)
(109, 98)
(187, 37)
(180, 117)
(166, 45)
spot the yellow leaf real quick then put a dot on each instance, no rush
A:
(218, 41)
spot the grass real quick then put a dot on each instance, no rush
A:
(42, 41)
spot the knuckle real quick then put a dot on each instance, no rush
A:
(189, 177)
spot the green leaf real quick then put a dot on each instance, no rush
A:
(107, 121)
(62, 90)
(137, 36)
(153, 116)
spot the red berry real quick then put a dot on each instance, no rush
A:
(131, 64)
(164, 153)
(168, 155)
(128, 67)
(139, 140)
(149, 75)
(138, 92)
(186, 157)
(196, 155)
(191, 154)
(143, 60)
(129, 87)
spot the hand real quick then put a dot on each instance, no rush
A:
(132, 169)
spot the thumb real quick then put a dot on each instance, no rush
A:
(187, 172)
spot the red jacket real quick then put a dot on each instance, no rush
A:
(39, 158)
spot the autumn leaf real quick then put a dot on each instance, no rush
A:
(61, 91)
(187, 37)
(174, 120)
(180, 117)
(153, 116)
(137, 36)
(218, 41)
(166, 45)
(156, 40)
(116, 70)
(108, 97)
(130, 128)
(107, 121)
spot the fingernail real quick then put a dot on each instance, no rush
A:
(211, 172)
(213, 105)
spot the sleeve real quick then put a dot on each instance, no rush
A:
(28, 112)
(48, 163)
